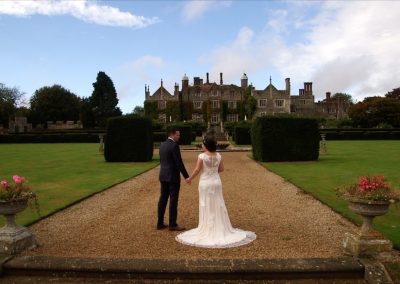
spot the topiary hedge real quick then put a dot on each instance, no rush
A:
(285, 139)
(128, 139)
(241, 134)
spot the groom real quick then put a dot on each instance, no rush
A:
(170, 179)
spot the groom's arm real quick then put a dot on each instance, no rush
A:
(176, 153)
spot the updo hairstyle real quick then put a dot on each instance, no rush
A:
(210, 143)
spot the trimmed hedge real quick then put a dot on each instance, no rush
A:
(50, 138)
(128, 139)
(242, 134)
(285, 139)
(361, 134)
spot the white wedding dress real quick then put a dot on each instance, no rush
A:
(214, 229)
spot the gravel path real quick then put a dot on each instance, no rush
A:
(120, 222)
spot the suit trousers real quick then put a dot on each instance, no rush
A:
(168, 190)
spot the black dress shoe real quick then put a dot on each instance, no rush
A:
(177, 228)
(161, 227)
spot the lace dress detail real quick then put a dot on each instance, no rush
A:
(214, 229)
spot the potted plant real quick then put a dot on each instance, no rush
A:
(370, 197)
(14, 198)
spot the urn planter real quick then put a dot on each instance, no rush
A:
(367, 241)
(14, 238)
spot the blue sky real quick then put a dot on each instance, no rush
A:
(340, 46)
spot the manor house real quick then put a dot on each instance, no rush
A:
(216, 103)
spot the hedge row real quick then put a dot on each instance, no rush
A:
(360, 134)
(241, 134)
(128, 139)
(285, 139)
(50, 138)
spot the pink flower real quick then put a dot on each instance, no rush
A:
(18, 179)
(4, 183)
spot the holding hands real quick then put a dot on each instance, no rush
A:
(188, 181)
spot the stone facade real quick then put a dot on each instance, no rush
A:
(207, 98)
(19, 124)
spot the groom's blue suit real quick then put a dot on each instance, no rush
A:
(170, 179)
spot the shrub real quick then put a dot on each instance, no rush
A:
(186, 133)
(242, 134)
(285, 139)
(128, 139)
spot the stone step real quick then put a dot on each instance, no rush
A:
(60, 270)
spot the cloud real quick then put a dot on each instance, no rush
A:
(194, 10)
(349, 49)
(83, 10)
(247, 53)
(340, 47)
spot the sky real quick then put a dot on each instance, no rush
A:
(350, 47)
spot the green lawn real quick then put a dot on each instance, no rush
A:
(62, 174)
(343, 164)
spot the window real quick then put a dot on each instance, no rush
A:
(197, 117)
(214, 93)
(214, 104)
(162, 104)
(302, 102)
(279, 103)
(232, 104)
(197, 104)
(215, 117)
(263, 113)
(197, 94)
(262, 103)
(232, 117)
(162, 117)
(232, 94)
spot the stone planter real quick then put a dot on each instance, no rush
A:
(367, 241)
(14, 238)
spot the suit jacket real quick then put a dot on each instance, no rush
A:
(171, 162)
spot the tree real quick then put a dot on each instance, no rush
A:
(395, 94)
(250, 106)
(104, 100)
(374, 111)
(54, 103)
(138, 111)
(10, 98)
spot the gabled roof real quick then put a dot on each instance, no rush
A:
(162, 91)
(269, 87)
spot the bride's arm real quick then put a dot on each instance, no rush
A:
(221, 167)
(197, 169)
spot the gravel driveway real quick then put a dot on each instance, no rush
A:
(120, 222)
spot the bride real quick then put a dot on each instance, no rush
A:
(214, 229)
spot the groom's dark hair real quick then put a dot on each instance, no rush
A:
(210, 143)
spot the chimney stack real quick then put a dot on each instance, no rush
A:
(328, 96)
(207, 79)
(221, 82)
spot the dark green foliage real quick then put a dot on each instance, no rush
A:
(173, 111)
(50, 138)
(285, 139)
(197, 127)
(129, 139)
(241, 134)
(361, 134)
(104, 100)
(159, 136)
(374, 111)
(151, 109)
(54, 103)
(185, 131)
